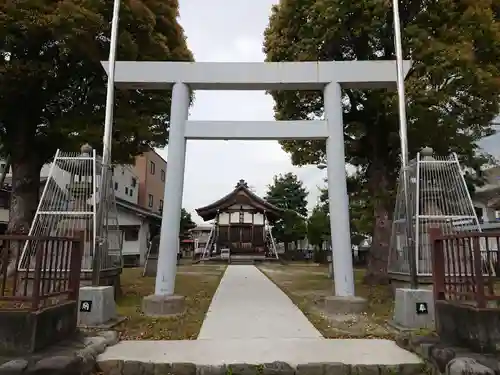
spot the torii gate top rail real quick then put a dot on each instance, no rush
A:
(161, 75)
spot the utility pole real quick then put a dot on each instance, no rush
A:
(403, 135)
(102, 214)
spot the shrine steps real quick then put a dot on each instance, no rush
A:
(242, 262)
(239, 259)
(246, 259)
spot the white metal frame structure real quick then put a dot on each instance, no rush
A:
(210, 242)
(439, 198)
(68, 206)
(270, 238)
(56, 214)
(329, 77)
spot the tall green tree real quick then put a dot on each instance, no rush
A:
(452, 88)
(187, 224)
(360, 207)
(318, 226)
(52, 85)
(288, 193)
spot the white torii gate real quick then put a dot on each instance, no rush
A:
(328, 77)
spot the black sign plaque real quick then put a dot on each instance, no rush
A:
(85, 306)
(422, 308)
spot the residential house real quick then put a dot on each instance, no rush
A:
(486, 200)
(200, 236)
(137, 223)
(126, 183)
(151, 170)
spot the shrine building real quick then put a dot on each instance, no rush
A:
(241, 224)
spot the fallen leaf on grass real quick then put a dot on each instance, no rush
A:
(307, 290)
(194, 284)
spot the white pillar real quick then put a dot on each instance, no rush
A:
(174, 182)
(337, 193)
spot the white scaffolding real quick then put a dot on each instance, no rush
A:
(211, 244)
(439, 198)
(69, 205)
(270, 242)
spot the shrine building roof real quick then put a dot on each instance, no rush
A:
(240, 195)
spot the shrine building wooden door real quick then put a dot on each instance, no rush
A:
(241, 238)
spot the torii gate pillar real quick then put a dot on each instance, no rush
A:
(330, 77)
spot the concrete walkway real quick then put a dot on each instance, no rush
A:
(247, 305)
(251, 321)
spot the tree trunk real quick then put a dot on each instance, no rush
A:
(25, 194)
(24, 198)
(378, 257)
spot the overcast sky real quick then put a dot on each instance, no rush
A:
(224, 30)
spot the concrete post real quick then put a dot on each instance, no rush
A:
(337, 193)
(170, 225)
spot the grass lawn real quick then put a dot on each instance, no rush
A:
(196, 282)
(308, 284)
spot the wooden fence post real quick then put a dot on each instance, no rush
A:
(438, 263)
(75, 266)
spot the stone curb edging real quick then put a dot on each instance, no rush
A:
(82, 362)
(446, 359)
(118, 367)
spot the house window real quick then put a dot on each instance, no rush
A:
(242, 217)
(134, 182)
(4, 199)
(126, 190)
(479, 213)
(151, 167)
(131, 233)
(116, 185)
(150, 200)
(161, 205)
(162, 175)
(131, 192)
